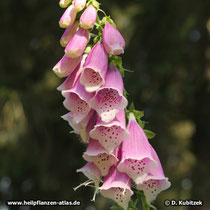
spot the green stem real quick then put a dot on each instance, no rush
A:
(144, 202)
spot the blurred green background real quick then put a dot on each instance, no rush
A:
(168, 47)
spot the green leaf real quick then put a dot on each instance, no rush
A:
(116, 208)
(149, 134)
(153, 207)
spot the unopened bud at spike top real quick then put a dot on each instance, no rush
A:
(64, 3)
(88, 18)
(79, 5)
(78, 43)
(68, 17)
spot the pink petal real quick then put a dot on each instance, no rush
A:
(110, 135)
(88, 17)
(76, 100)
(155, 182)
(109, 99)
(84, 126)
(69, 33)
(113, 41)
(68, 17)
(137, 160)
(95, 68)
(77, 44)
(99, 156)
(64, 3)
(117, 186)
(79, 5)
(73, 77)
(66, 66)
(91, 171)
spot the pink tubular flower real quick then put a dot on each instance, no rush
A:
(64, 3)
(112, 40)
(88, 18)
(110, 135)
(84, 126)
(91, 171)
(69, 33)
(79, 5)
(68, 17)
(117, 186)
(95, 68)
(66, 66)
(109, 99)
(76, 100)
(155, 182)
(99, 156)
(137, 160)
(77, 44)
(74, 76)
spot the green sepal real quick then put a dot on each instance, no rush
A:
(117, 61)
(88, 49)
(94, 3)
(141, 123)
(149, 134)
(153, 207)
(107, 19)
(96, 39)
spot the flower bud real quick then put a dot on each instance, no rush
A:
(88, 18)
(68, 34)
(78, 43)
(79, 5)
(64, 3)
(113, 41)
(66, 66)
(68, 17)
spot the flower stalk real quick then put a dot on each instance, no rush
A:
(118, 153)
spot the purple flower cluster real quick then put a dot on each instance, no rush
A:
(93, 92)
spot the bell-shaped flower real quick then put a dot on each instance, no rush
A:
(64, 3)
(117, 186)
(113, 41)
(69, 33)
(74, 76)
(76, 100)
(68, 17)
(155, 182)
(66, 66)
(99, 156)
(88, 17)
(137, 160)
(110, 135)
(91, 171)
(79, 5)
(95, 68)
(109, 99)
(77, 44)
(84, 126)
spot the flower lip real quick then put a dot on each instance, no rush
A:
(77, 101)
(110, 135)
(117, 187)
(99, 156)
(95, 68)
